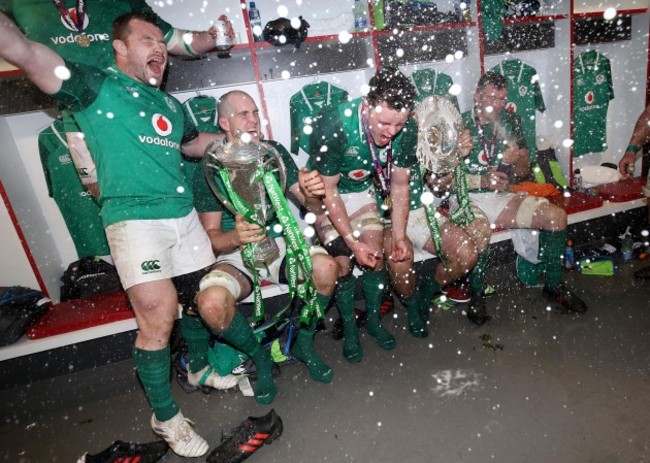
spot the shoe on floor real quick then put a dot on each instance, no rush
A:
(456, 294)
(643, 274)
(207, 376)
(565, 298)
(180, 435)
(477, 310)
(247, 438)
(120, 451)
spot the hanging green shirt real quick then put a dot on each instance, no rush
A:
(79, 209)
(305, 107)
(592, 91)
(429, 82)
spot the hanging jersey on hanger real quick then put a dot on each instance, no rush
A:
(524, 98)
(304, 108)
(592, 91)
(79, 209)
(429, 82)
(202, 111)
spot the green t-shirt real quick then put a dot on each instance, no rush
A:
(429, 82)
(305, 107)
(524, 97)
(489, 145)
(134, 132)
(206, 201)
(79, 209)
(592, 90)
(338, 146)
(42, 22)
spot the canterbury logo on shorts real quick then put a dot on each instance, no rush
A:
(149, 266)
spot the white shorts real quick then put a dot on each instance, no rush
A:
(493, 203)
(418, 230)
(270, 273)
(353, 203)
(152, 250)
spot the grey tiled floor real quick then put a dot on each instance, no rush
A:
(561, 389)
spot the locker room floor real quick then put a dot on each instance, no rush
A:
(532, 385)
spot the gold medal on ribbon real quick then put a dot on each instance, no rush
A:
(82, 40)
(388, 203)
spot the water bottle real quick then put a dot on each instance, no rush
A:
(256, 22)
(360, 15)
(577, 179)
(569, 255)
(627, 245)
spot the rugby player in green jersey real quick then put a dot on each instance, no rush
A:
(136, 133)
(231, 280)
(499, 157)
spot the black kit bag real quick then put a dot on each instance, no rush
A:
(19, 308)
(89, 276)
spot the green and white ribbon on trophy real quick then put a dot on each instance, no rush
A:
(250, 164)
(439, 128)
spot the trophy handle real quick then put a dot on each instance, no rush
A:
(211, 165)
(274, 164)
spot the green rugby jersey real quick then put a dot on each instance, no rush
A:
(338, 145)
(305, 107)
(79, 209)
(429, 82)
(524, 98)
(42, 22)
(206, 201)
(134, 132)
(202, 112)
(592, 91)
(509, 128)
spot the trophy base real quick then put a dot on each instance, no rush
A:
(265, 252)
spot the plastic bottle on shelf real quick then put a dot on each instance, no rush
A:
(256, 21)
(360, 15)
(577, 179)
(569, 255)
(461, 11)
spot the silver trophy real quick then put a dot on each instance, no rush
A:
(244, 162)
(439, 128)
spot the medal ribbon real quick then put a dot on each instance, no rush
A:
(80, 9)
(297, 258)
(382, 176)
(488, 149)
(463, 215)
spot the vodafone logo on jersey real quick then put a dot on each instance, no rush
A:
(163, 127)
(72, 13)
(511, 107)
(589, 97)
(359, 174)
(161, 124)
(482, 158)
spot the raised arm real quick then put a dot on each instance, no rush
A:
(201, 41)
(640, 136)
(41, 65)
